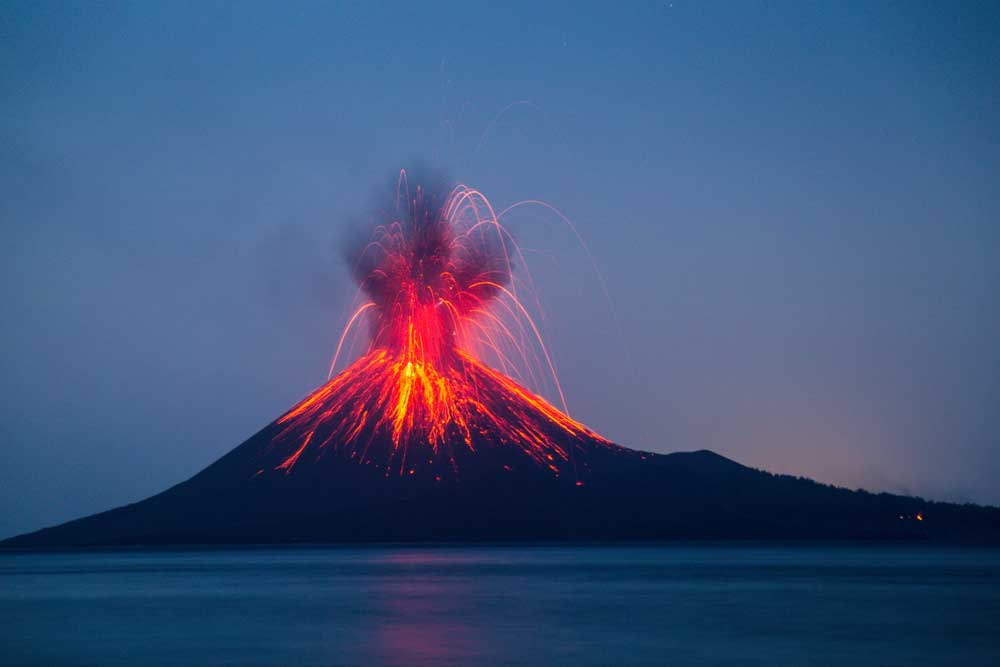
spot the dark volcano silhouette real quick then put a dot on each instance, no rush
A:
(496, 490)
(422, 439)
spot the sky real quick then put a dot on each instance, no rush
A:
(793, 207)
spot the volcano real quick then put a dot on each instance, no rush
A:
(433, 433)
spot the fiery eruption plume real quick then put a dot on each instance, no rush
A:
(448, 333)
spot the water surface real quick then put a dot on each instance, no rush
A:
(534, 605)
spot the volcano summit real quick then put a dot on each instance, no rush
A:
(432, 434)
(441, 298)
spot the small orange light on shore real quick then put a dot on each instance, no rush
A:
(920, 517)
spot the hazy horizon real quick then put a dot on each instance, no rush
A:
(793, 207)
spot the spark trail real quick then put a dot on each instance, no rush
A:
(450, 345)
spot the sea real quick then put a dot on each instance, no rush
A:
(664, 604)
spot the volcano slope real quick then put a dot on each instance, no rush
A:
(299, 480)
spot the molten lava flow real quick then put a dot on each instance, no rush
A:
(442, 301)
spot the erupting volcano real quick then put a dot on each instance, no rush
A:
(439, 431)
(442, 302)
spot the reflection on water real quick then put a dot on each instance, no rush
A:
(575, 605)
(420, 620)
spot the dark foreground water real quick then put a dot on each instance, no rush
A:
(580, 605)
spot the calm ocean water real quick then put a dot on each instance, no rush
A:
(575, 605)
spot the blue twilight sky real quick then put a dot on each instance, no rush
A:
(795, 207)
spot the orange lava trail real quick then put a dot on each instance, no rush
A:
(442, 306)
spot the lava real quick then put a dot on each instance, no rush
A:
(448, 335)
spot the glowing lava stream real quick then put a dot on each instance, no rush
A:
(443, 307)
